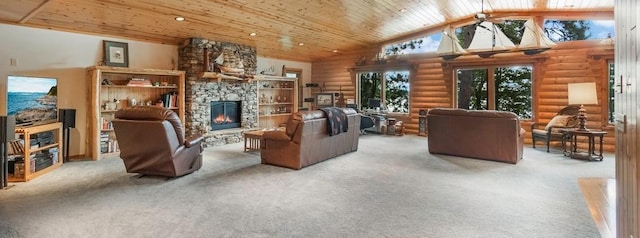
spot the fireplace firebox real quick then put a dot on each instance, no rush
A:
(225, 114)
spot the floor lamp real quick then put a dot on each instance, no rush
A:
(581, 94)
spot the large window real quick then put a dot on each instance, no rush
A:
(392, 88)
(499, 88)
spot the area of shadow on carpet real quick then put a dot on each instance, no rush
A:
(390, 187)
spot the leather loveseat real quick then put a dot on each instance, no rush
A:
(480, 134)
(305, 140)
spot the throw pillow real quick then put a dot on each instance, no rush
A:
(558, 121)
(573, 121)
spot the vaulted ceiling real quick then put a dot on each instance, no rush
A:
(323, 26)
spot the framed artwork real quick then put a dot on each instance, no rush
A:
(324, 100)
(116, 54)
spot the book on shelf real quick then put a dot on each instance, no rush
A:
(109, 146)
(106, 124)
(169, 99)
(139, 82)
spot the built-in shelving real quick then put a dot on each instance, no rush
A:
(277, 100)
(109, 92)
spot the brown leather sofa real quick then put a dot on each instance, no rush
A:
(152, 142)
(305, 140)
(480, 134)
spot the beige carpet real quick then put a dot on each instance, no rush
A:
(391, 187)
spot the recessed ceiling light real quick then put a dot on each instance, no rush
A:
(403, 10)
(335, 51)
(301, 44)
(179, 18)
(253, 34)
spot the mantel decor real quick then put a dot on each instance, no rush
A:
(116, 54)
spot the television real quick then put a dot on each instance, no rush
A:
(32, 100)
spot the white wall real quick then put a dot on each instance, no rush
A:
(66, 56)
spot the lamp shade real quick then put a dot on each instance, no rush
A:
(582, 93)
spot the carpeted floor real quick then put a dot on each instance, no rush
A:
(390, 187)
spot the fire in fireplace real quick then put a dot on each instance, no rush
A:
(225, 114)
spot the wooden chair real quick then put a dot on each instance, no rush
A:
(566, 118)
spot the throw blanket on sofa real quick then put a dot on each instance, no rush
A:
(336, 120)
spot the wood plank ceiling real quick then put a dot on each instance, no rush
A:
(280, 25)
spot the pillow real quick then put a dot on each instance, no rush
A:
(558, 121)
(573, 121)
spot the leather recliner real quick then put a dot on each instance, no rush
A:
(152, 142)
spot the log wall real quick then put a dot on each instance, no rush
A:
(432, 80)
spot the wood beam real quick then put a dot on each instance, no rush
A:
(34, 11)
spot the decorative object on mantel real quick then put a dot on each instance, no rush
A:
(225, 68)
(270, 71)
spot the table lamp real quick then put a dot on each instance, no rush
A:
(582, 93)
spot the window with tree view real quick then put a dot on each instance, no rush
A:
(499, 88)
(392, 88)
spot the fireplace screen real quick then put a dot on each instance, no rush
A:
(225, 114)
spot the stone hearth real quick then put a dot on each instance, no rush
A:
(199, 92)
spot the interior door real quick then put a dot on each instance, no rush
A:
(626, 109)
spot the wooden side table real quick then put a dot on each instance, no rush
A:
(590, 154)
(253, 140)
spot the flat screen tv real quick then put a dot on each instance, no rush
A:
(33, 100)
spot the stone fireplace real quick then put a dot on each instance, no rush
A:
(201, 92)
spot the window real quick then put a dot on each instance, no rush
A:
(391, 87)
(499, 88)
(419, 45)
(612, 79)
(560, 30)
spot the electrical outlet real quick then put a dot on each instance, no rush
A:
(13, 62)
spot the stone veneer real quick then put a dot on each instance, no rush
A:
(199, 92)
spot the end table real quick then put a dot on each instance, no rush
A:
(572, 136)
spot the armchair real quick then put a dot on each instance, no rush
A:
(566, 118)
(365, 123)
(152, 142)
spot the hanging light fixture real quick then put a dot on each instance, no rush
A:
(489, 40)
(449, 47)
(534, 40)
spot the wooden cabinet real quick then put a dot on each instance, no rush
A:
(40, 149)
(277, 100)
(114, 88)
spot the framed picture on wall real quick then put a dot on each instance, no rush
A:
(324, 100)
(116, 54)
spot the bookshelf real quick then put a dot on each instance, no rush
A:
(114, 88)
